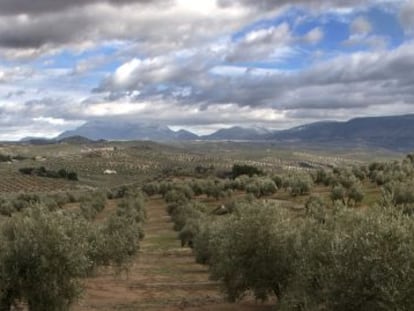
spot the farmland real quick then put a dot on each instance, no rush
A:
(160, 230)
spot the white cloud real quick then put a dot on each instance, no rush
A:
(361, 33)
(314, 36)
(361, 26)
(261, 44)
(178, 62)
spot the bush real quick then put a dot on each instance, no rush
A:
(26, 170)
(248, 170)
(72, 176)
(43, 172)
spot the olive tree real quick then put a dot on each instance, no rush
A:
(360, 261)
(251, 250)
(42, 257)
(44, 253)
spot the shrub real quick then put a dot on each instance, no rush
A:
(248, 170)
(26, 170)
(72, 176)
(43, 172)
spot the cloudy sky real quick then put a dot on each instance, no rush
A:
(202, 64)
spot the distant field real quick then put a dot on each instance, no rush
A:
(136, 162)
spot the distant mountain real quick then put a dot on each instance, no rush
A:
(96, 130)
(393, 132)
(239, 133)
(185, 135)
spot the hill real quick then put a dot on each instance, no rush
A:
(98, 130)
(392, 132)
(239, 133)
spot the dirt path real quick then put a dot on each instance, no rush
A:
(163, 277)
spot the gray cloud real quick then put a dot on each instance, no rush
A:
(260, 44)
(266, 5)
(180, 65)
(361, 33)
(350, 81)
(15, 7)
(157, 25)
(406, 17)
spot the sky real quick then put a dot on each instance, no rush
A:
(202, 65)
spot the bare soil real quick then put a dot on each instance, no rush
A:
(164, 276)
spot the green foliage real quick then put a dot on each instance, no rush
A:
(261, 186)
(204, 170)
(398, 193)
(339, 260)
(132, 207)
(355, 261)
(183, 213)
(187, 220)
(151, 189)
(316, 208)
(298, 185)
(10, 158)
(92, 205)
(278, 181)
(117, 193)
(189, 231)
(117, 241)
(321, 177)
(72, 176)
(338, 193)
(174, 196)
(355, 194)
(44, 251)
(248, 170)
(250, 249)
(43, 172)
(42, 256)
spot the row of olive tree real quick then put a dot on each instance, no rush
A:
(352, 260)
(45, 253)
(12, 203)
(259, 186)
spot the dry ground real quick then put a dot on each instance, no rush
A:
(164, 276)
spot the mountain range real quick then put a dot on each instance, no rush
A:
(390, 132)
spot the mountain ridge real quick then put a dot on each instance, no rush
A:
(389, 132)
